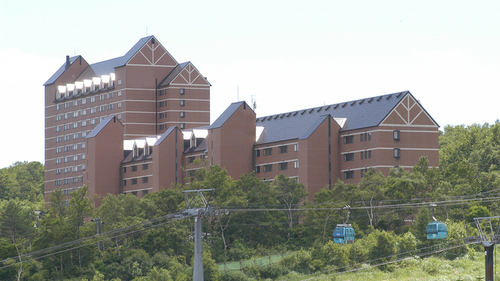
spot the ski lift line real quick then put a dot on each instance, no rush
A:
(395, 206)
(147, 225)
(379, 264)
(398, 206)
(76, 247)
(374, 265)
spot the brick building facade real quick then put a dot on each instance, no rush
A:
(139, 123)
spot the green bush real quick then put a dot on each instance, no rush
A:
(228, 275)
(273, 271)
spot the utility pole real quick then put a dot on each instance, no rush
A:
(489, 244)
(98, 222)
(198, 206)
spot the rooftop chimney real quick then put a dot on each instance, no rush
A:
(67, 62)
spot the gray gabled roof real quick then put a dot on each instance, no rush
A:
(165, 135)
(99, 127)
(362, 113)
(226, 114)
(108, 66)
(60, 71)
(103, 67)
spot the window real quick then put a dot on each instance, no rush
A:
(257, 153)
(296, 147)
(84, 101)
(161, 115)
(92, 121)
(396, 153)
(58, 128)
(183, 125)
(92, 99)
(58, 171)
(396, 135)
(282, 149)
(134, 181)
(59, 117)
(191, 159)
(75, 180)
(369, 136)
(134, 192)
(66, 116)
(58, 182)
(296, 164)
(83, 156)
(111, 106)
(348, 175)
(348, 139)
(268, 168)
(58, 160)
(84, 112)
(134, 168)
(67, 137)
(361, 137)
(119, 116)
(396, 169)
(102, 97)
(257, 169)
(58, 107)
(84, 134)
(58, 139)
(75, 146)
(75, 114)
(75, 136)
(84, 123)
(283, 166)
(362, 153)
(144, 179)
(75, 125)
(102, 108)
(66, 181)
(183, 102)
(119, 104)
(124, 170)
(124, 182)
(111, 95)
(66, 148)
(161, 104)
(145, 166)
(67, 105)
(348, 157)
(66, 127)
(75, 157)
(369, 154)
(144, 192)
(183, 114)
(58, 149)
(92, 110)
(161, 126)
(267, 151)
(183, 91)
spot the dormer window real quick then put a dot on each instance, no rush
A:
(192, 143)
(146, 149)
(135, 151)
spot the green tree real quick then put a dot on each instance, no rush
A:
(16, 223)
(290, 195)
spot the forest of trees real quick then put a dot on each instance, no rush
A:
(140, 241)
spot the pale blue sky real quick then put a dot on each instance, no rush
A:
(289, 54)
